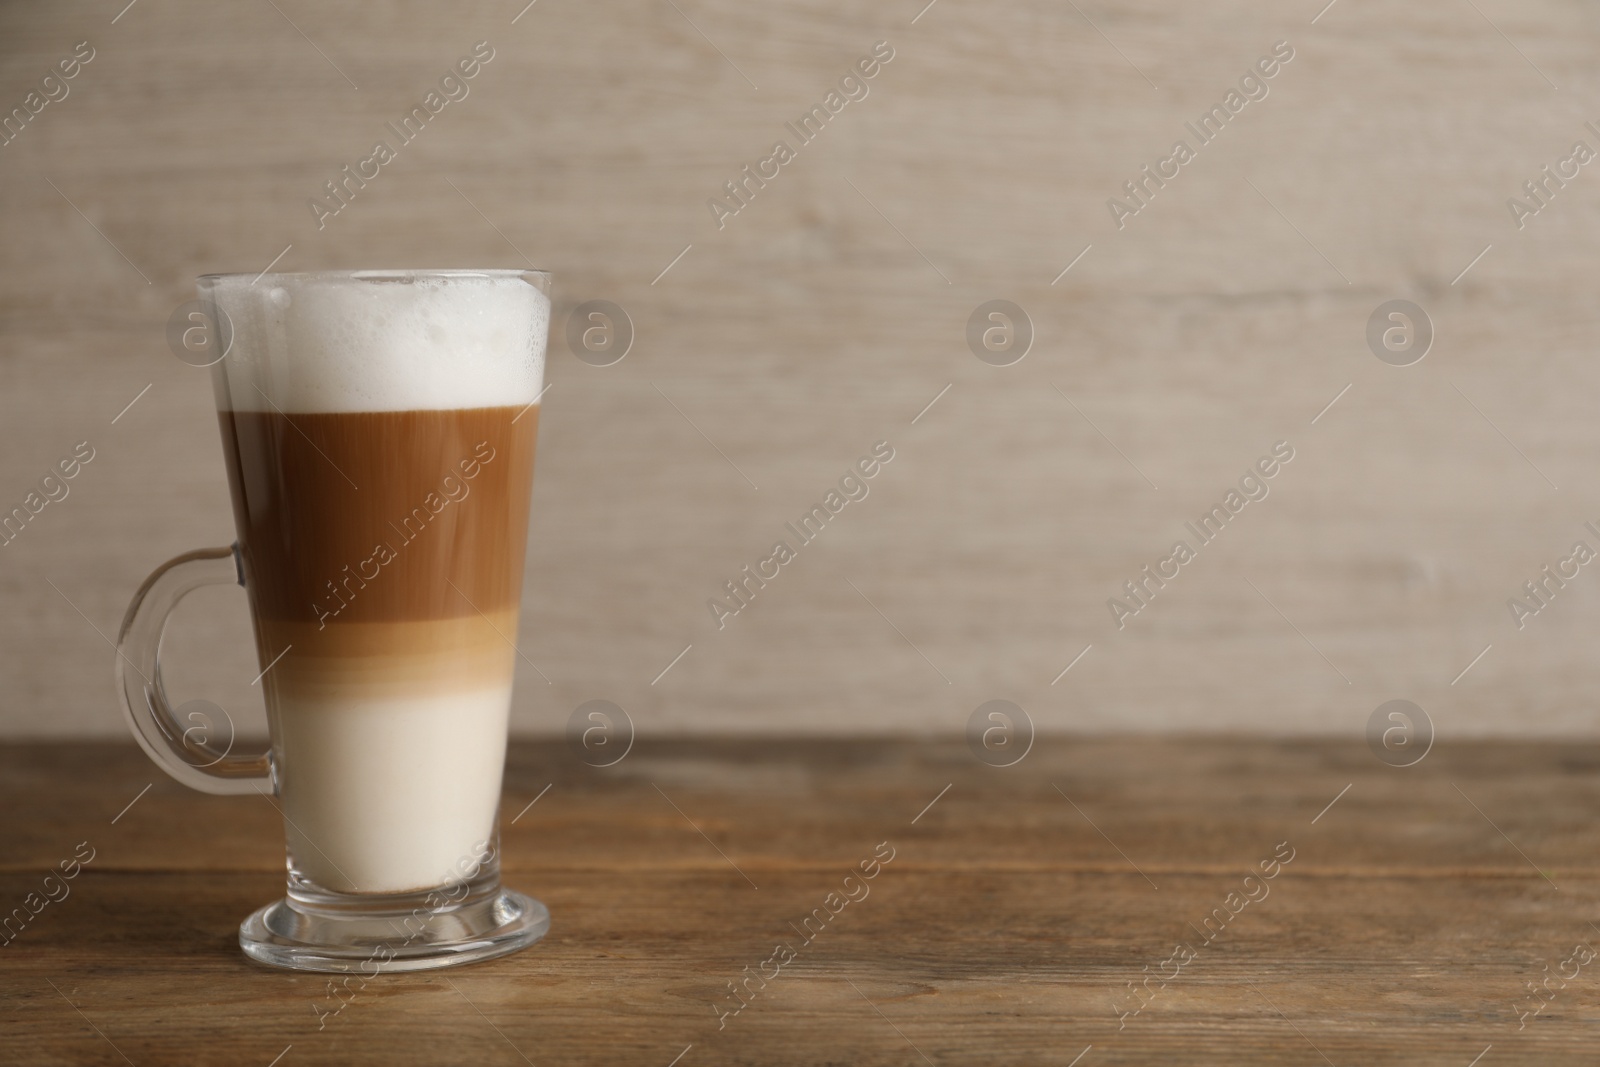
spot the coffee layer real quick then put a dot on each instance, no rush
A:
(380, 516)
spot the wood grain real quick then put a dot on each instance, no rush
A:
(1016, 910)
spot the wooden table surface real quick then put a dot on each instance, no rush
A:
(1007, 928)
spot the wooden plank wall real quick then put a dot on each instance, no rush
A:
(831, 309)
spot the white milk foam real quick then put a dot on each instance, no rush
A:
(387, 796)
(379, 341)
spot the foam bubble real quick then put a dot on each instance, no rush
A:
(380, 341)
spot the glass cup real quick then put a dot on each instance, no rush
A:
(379, 429)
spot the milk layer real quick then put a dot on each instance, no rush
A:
(389, 795)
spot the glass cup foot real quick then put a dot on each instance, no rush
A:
(392, 934)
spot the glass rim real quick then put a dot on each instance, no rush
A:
(376, 275)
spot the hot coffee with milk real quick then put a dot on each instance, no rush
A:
(381, 480)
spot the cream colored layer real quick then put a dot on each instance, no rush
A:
(380, 660)
(387, 796)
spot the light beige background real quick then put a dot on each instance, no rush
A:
(1213, 325)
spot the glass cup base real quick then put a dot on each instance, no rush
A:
(396, 934)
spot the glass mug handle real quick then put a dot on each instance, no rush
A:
(197, 764)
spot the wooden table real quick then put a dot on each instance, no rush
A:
(1018, 907)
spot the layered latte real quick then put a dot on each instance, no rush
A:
(379, 434)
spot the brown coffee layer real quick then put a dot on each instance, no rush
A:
(363, 661)
(381, 516)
